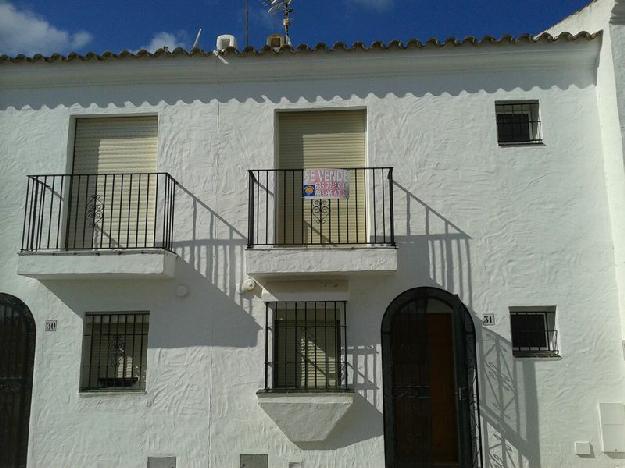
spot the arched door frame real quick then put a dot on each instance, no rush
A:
(467, 387)
(28, 341)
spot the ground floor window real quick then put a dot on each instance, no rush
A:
(305, 346)
(114, 351)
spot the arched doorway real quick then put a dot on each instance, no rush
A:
(17, 353)
(431, 409)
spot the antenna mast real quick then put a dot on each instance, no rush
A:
(285, 7)
(246, 24)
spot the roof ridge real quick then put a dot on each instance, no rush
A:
(305, 48)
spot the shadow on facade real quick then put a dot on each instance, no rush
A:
(434, 251)
(428, 84)
(509, 405)
(357, 425)
(210, 264)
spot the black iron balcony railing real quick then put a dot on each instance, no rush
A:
(281, 214)
(99, 211)
(535, 342)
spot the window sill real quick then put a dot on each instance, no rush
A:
(108, 393)
(521, 143)
(537, 355)
(309, 391)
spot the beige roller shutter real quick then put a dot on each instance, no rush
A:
(321, 139)
(115, 145)
(113, 190)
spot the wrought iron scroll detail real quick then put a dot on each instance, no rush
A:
(320, 210)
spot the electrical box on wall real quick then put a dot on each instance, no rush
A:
(254, 461)
(612, 427)
(161, 462)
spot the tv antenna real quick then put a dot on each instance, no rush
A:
(284, 6)
(246, 22)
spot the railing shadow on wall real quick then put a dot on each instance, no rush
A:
(210, 263)
(509, 405)
(436, 252)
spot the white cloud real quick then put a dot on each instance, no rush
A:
(164, 39)
(378, 5)
(23, 32)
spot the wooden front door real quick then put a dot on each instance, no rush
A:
(426, 396)
(17, 351)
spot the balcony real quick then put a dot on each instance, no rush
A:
(293, 230)
(98, 225)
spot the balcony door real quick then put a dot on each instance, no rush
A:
(320, 140)
(17, 354)
(113, 187)
(430, 382)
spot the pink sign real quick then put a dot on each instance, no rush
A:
(326, 184)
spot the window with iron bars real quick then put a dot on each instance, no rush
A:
(305, 346)
(533, 332)
(518, 122)
(114, 351)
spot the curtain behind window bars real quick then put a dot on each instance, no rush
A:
(305, 346)
(115, 351)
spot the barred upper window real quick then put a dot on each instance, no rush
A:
(533, 331)
(306, 349)
(518, 122)
(114, 351)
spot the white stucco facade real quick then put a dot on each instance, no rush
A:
(499, 226)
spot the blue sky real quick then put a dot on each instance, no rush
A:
(48, 26)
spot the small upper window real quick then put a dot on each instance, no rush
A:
(518, 122)
(114, 351)
(533, 331)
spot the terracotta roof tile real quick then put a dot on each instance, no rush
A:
(306, 49)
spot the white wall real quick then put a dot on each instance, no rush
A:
(610, 88)
(497, 226)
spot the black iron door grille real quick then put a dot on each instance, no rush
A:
(17, 352)
(415, 334)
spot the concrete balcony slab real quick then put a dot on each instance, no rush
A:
(101, 264)
(264, 263)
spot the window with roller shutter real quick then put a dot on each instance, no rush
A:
(113, 189)
(321, 139)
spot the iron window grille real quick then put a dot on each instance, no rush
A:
(518, 122)
(114, 351)
(305, 346)
(534, 333)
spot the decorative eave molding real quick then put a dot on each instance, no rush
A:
(305, 49)
(618, 13)
(231, 66)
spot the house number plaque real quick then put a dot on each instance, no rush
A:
(488, 320)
